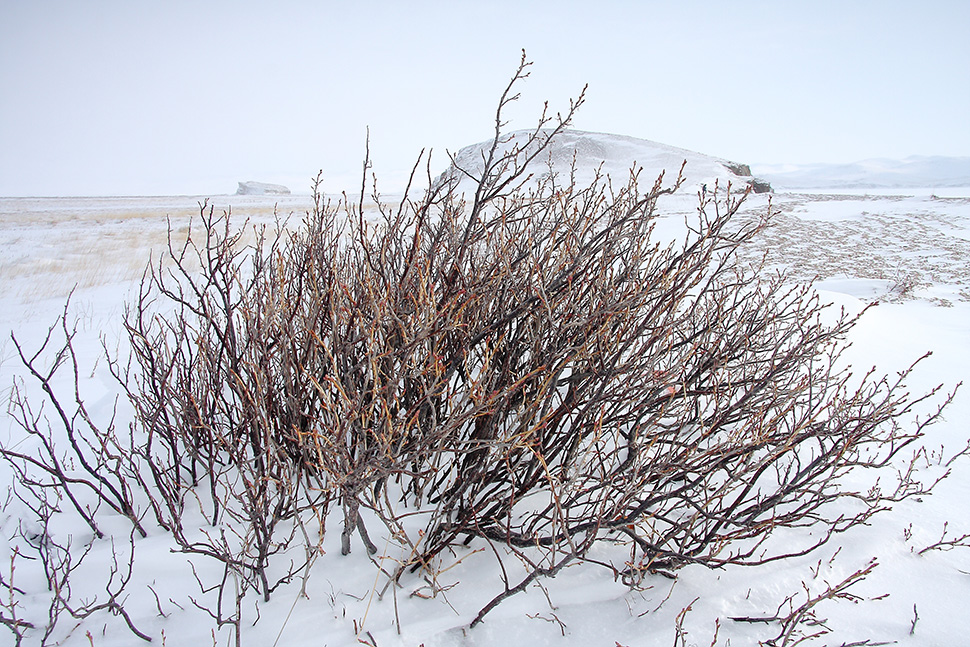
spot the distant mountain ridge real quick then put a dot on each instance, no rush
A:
(614, 155)
(916, 171)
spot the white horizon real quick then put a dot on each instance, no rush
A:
(189, 99)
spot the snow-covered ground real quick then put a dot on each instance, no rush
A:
(911, 252)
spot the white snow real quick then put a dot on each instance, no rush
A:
(48, 245)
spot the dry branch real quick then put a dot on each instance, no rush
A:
(527, 369)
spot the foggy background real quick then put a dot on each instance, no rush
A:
(153, 98)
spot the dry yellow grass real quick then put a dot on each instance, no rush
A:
(49, 246)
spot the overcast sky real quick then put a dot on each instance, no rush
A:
(148, 97)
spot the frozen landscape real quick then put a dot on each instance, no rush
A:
(902, 243)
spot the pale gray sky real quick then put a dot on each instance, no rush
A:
(128, 98)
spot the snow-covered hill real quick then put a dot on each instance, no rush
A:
(615, 155)
(914, 171)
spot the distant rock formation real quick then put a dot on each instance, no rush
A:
(760, 186)
(261, 188)
(743, 171)
(738, 169)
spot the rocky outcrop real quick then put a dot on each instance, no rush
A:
(744, 171)
(739, 169)
(261, 188)
(760, 186)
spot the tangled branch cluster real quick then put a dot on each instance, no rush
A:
(520, 364)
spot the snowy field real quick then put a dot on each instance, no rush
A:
(909, 252)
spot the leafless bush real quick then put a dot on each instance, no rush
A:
(11, 605)
(522, 365)
(86, 459)
(802, 623)
(222, 399)
(72, 462)
(944, 544)
(535, 371)
(52, 561)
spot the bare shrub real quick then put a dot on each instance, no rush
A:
(74, 456)
(224, 399)
(52, 562)
(522, 365)
(802, 623)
